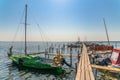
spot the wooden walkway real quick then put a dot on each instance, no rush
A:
(84, 70)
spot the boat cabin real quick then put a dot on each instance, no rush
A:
(98, 47)
(115, 57)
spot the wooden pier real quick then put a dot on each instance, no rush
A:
(84, 70)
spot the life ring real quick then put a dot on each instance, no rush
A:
(57, 59)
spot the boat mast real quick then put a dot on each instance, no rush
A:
(106, 31)
(25, 29)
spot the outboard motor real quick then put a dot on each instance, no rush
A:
(10, 51)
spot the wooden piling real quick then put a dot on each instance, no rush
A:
(45, 53)
(71, 56)
(76, 68)
(78, 56)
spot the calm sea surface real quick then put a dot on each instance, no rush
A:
(8, 71)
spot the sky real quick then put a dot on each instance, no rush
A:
(60, 20)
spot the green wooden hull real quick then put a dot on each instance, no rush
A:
(35, 63)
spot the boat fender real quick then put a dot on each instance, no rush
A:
(57, 59)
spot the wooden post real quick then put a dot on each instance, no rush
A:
(78, 56)
(116, 44)
(52, 49)
(49, 49)
(38, 48)
(45, 53)
(81, 48)
(95, 74)
(71, 56)
(59, 49)
(76, 67)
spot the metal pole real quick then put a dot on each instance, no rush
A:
(106, 31)
(25, 29)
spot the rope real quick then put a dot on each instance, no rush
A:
(14, 37)
(41, 31)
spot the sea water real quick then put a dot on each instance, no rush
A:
(8, 71)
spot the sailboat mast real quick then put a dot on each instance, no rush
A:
(25, 29)
(106, 31)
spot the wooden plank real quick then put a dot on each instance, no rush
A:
(79, 69)
(86, 67)
(90, 70)
(82, 67)
(106, 68)
(53, 54)
(84, 71)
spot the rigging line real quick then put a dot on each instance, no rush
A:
(46, 44)
(40, 31)
(17, 28)
(37, 25)
(46, 37)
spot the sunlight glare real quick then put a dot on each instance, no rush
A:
(59, 1)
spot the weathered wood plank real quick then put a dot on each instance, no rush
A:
(84, 71)
(106, 68)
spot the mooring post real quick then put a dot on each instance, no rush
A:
(81, 49)
(116, 44)
(59, 49)
(49, 49)
(45, 53)
(78, 56)
(64, 48)
(95, 74)
(76, 67)
(71, 56)
(38, 48)
(52, 49)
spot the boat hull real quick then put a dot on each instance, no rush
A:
(33, 63)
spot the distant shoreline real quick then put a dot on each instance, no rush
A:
(58, 41)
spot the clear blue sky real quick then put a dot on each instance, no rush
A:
(60, 20)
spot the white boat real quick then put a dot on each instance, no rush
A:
(115, 58)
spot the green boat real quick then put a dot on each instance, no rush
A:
(37, 63)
